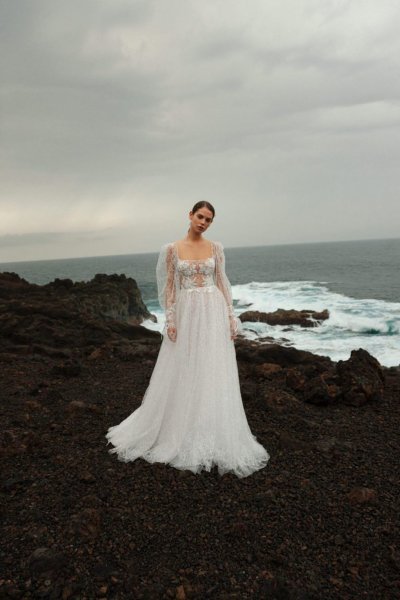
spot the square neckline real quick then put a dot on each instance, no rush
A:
(194, 259)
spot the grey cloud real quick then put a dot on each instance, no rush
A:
(50, 237)
(110, 105)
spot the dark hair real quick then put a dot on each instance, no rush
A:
(203, 204)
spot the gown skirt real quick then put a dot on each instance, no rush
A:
(192, 415)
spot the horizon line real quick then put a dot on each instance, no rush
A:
(225, 247)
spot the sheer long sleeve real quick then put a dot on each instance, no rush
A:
(167, 284)
(224, 285)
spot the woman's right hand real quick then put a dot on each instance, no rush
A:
(171, 331)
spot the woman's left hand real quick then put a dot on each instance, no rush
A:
(233, 327)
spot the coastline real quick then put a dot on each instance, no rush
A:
(319, 520)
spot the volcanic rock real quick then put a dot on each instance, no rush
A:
(361, 495)
(45, 561)
(305, 318)
(318, 390)
(361, 378)
(62, 319)
(257, 354)
(78, 523)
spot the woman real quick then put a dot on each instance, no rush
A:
(192, 415)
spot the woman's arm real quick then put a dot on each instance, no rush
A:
(224, 285)
(167, 290)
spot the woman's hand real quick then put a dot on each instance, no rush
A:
(233, 327)
(171, 331)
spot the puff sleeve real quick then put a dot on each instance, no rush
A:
(167, 284)
(224, 285)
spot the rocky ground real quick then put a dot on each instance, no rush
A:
(319, 522)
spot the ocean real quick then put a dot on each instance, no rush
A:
(357, 281)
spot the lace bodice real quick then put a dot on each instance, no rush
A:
(196, 273)
(175, 274)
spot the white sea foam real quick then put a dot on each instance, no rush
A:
(353, 323)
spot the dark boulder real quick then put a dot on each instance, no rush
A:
(312, 378)
(257, 354)
(361, 378)
(305, 318)
(322, 389)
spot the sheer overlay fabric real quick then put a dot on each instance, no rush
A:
(192, 414)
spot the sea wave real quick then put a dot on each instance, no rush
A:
(353, 322)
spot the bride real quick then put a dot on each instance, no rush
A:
(192, 414)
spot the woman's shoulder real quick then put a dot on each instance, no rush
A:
(167, 252)
(168, 246)
(217, 244)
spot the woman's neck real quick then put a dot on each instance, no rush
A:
(194, 237)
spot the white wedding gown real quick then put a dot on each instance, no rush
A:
(192, 414)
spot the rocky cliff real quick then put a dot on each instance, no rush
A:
(64, 319)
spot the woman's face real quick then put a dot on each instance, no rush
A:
(201, 219)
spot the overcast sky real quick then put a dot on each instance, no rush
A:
(118, 115)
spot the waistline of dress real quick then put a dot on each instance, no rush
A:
(200, 289)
